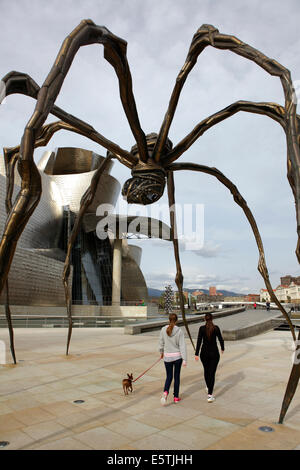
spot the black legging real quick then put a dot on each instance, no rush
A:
(170, 367)
(210, 363)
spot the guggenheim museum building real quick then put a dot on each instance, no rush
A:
(106, 278)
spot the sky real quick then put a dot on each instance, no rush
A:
(249, 149)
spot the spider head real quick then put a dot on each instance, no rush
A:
(148, 180)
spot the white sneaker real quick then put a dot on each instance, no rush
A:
(163, 399)
(210, 398)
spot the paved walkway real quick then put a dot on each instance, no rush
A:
(246, 318)
(232, 322)
(37, 409)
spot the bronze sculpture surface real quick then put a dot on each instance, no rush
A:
(151, 160)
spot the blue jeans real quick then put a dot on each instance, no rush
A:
(173, 367)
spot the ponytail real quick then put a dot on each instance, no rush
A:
(172, 321)
(209, 325)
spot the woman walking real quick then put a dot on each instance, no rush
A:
(209, 355)
(173, 350)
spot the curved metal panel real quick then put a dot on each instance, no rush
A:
(135, 252)
(72, 169)
(121, 226)
(72, 188)
(73, 160)
(134, 287)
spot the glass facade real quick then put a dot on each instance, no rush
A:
(91, 259)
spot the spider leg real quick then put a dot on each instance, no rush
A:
(295, 374)
(208, 35)
(22, 83)
(292, 384)
(179, 276)
(11, 154)
(44, 137)
(28, 198)
(273, 110)
(86, 200)
(10, 157)
(262, 267)
(18, 82)
(9, 323)
(9, 166)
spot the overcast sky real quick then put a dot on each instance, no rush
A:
(248, 148)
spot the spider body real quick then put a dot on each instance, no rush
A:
(151, 160)
(148, 180)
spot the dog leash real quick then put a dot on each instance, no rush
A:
(146, 370)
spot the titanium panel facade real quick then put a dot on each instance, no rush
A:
(36, 273)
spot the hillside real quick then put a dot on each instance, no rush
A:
(157, 293)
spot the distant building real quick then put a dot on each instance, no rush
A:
(177, 298)
(287, 280)
(234, 299)
(197, 293)
(155, 300)
(264, 295)
(199, 296)
(284, 292)
(202, 298)
(252, 298)
(186, 295)
(212, 290)
(217, 297)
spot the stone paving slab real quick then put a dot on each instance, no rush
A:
(37, 409)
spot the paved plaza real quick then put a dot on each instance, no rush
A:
(37, 409)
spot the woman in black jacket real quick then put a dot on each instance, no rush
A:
(209, 355)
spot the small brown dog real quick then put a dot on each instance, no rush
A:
(127, 384)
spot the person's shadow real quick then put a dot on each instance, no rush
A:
(233, 380)
(248, 348)
(293, 412)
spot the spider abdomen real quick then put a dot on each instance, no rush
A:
(148, 180)
(145, 187)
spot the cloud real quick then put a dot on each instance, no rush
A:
(248, 148)
(186, 244)
(208, 250)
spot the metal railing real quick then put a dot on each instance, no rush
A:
(107, 303)
(37, 321)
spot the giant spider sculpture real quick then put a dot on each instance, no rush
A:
(151, 160)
